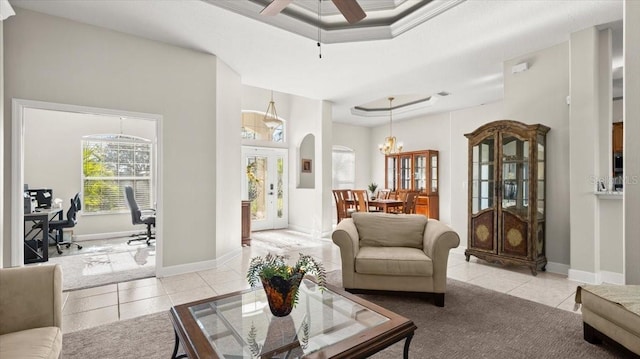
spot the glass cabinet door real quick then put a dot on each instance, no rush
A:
(420, 172)
(482, 181)
(434, 173)
(541, 178)
(391, 174)
(515, 175)
(405, 172)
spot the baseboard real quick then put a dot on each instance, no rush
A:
(458, 250)
(197, 266)
(612, 277)
(94, 236)
(584, 277)
(558, 268)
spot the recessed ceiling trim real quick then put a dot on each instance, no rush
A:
(398, 110)
(385, 23)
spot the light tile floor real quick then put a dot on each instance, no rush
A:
(109, 303)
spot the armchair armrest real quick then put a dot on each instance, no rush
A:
(438, 240)
(31, 297)
(347, 238)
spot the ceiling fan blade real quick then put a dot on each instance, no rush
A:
(350, 9)
(275, 7)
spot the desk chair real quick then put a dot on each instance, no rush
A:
(137, 217)
(70, 222)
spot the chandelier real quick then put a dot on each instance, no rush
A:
(271, 119)
(390, 145)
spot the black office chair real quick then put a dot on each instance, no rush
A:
(70, 222)
(137, 217)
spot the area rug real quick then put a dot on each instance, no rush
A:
(475, 323)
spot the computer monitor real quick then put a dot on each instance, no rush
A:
(43, 196)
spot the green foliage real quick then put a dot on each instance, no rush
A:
(96, 191)
(372, 187)
(275, 265)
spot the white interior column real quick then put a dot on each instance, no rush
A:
(631, 157)
(583, 125)
(2, 241)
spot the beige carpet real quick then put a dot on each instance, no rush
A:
(475, 323)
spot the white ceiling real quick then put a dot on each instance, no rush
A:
(460, 51)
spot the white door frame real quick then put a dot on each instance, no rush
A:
(17, 168)
(271, 152)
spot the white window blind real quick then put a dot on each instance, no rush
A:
(111, 162)
(344, 168)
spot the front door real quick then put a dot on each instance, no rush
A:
(266, 186)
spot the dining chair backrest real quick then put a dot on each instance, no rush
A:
(341, 196)
(402, 195)
(384, 193)
(361, 200)
(409, 205)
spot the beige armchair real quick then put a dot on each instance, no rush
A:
(395, 252)
(31, 312)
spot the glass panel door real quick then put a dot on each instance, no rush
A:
(420, 172)
(391, 168)
(405, 172)
(265, 186)
(434, 174)
(515, 175)
(482, 181)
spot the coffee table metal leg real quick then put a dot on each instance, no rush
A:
(407, 342)
(175, 348)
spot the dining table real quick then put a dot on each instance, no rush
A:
(385, 204)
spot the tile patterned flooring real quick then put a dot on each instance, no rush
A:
(92, 307)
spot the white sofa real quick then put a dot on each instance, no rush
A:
(31, 312)
(395, 252)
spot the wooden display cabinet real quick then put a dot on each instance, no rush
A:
(617, 136)
(507, 194)
(415, 171)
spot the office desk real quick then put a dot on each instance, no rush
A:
(39, 224)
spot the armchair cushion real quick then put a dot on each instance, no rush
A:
(393, 261)
(390, 230)
(32, 343)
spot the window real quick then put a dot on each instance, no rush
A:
(111, 162)
(344, 168)
(254, 127)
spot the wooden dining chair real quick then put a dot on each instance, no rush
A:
(384, 193)
(343, 209)
(409, 206)
(361, 199)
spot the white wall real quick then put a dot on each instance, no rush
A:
(306, 212)
(56, 60)
(53, 158)
(228, 161)
(617, 110)
(2, 144)
(583, 127)
(539, 96)
(631, 143)
(359, 140)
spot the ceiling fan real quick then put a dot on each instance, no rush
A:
(350, 9)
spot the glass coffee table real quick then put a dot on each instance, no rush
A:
(324, 324)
